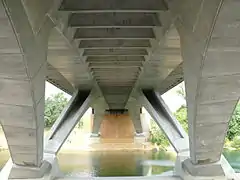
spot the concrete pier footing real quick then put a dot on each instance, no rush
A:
(220, 170)
(49, 170)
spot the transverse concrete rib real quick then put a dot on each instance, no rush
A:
(113, 6)
(114, 43)
(97, 20)
(115, 52)
(114, 33)
(99, 59)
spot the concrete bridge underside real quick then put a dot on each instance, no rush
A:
(119, 55)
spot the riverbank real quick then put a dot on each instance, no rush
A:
(79, 140)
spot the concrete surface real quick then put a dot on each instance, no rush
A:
(117, 50)
(22, 83)
(208, 38)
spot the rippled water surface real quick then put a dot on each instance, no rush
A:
(101, 164)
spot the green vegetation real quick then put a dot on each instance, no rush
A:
(232, 139)
(234, 124)
(181, 116)
(53, 108)
(157, 136)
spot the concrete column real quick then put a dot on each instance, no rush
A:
(159, 111)
(145, 121)
(67, 120)
(23, 54)
(98, 115)
(134, 112)
(209, 35)
(135, 116)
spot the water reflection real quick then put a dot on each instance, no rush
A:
(99, 164)
(102, 164)
(233, 158)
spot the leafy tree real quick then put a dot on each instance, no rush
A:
(157, 136)
(181, 115)
(234, 124)
(233, 127)
(235, 143)
(53, 107)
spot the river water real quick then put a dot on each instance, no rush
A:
(103, 164)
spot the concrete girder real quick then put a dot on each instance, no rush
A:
(106, 76)
(159, 111)
(113, 6)
(66, 56)
(95, 59)
(125, 70)
(120, 63)
(22, 77)
(115, 77)
(115, 52)
(114, 33)
(114, 43)
(109, 20)
(62, 55)
(72, 113)
(57, 79)
(164, 58)
(173, 79)
(115, 64)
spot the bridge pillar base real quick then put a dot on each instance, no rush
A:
(24, 172)
(140, 138)
(220, 170)
(49, 170)
(95, 138)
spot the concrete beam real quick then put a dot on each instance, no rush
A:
(67, 120)
(106, 70)
(159, 111)
(120, 63)
(172, 80)
(114, 43)
(114, 33)
(106, 76)
(115, 64)
(115, 58)
(109, 20)
(58, 80)
(115, 52)
(113, 6)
